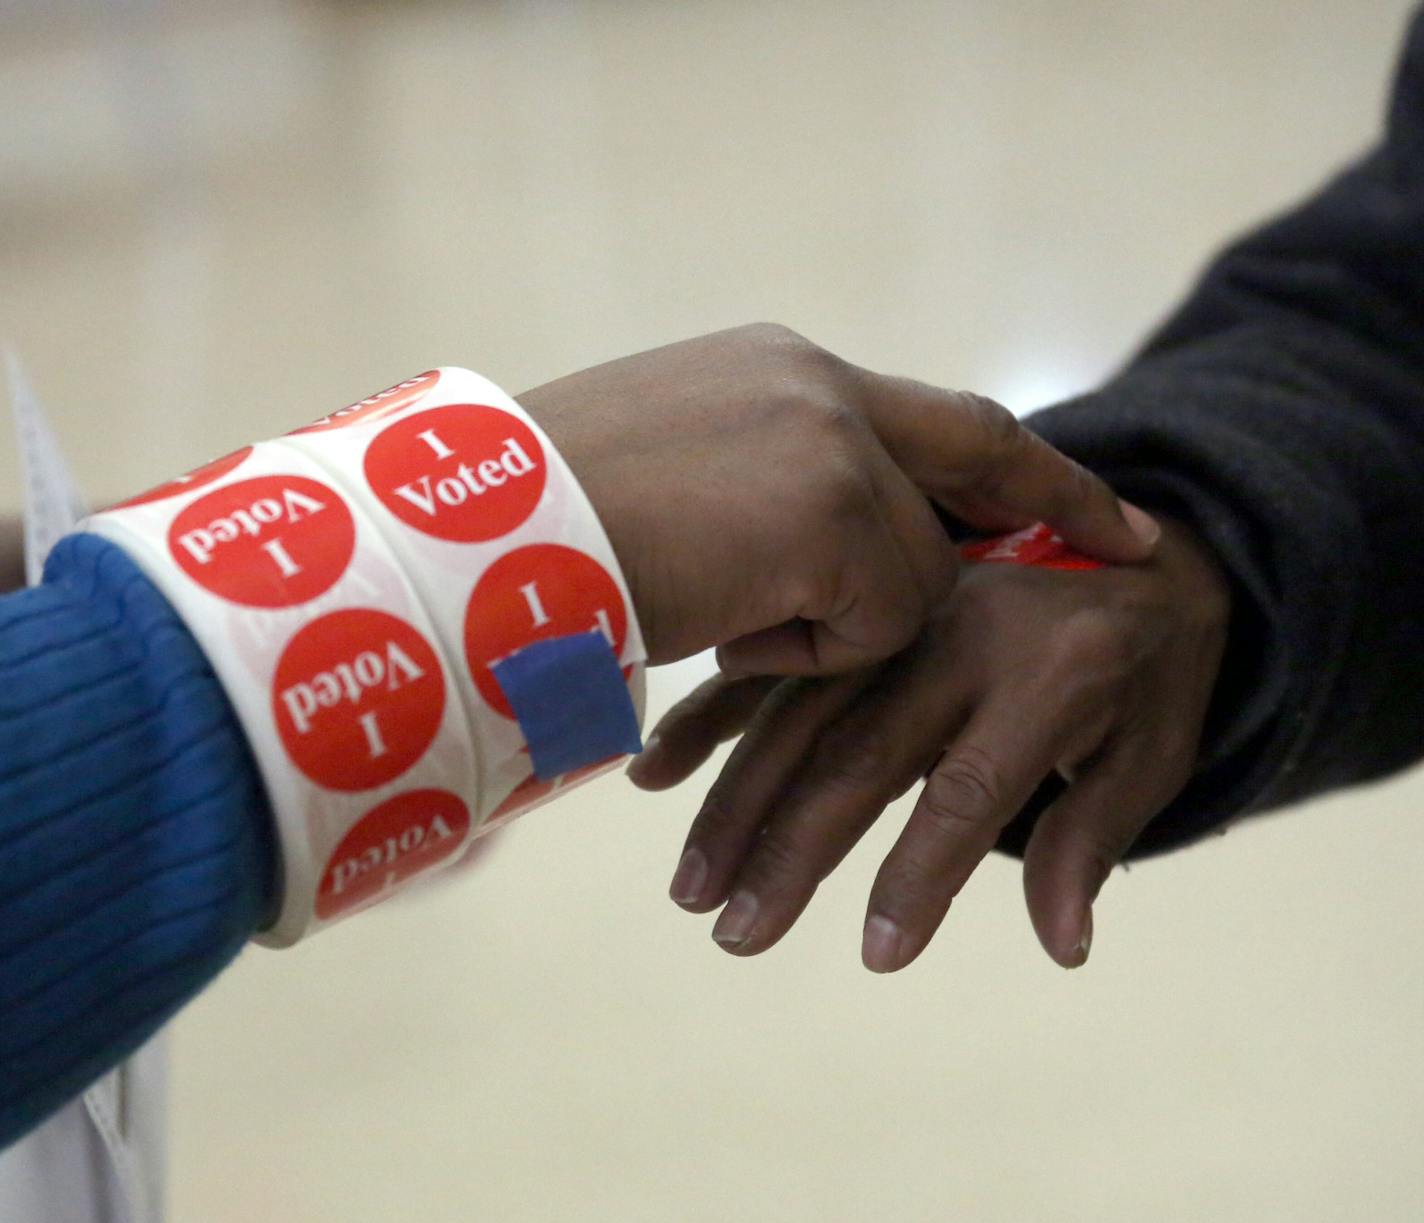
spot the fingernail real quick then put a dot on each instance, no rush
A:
(689, 878)
(639, 764)
(1085, 944)
(1143, 525)
(734, 926)
(881, 944)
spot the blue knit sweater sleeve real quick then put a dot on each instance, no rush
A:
(136, 845)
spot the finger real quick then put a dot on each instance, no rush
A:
(977, 787)
(965, 450)
(870, 608)
(861, 761)
(1088, 831)
(691, 730)
(782, 650)
(893, 565)
(730, 819)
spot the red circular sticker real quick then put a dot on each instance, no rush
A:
(543, 590)
(466, 472)
(272, 541)
(374, 407)
(194, 479)
(357, 698)
(402, 837)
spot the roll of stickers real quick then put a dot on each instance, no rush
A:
(418, 619)
(501, 542)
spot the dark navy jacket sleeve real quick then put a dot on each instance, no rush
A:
(1281, 411)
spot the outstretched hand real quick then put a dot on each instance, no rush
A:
(1104, 677)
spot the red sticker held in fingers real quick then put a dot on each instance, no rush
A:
(543, 590)
(357, 697)
(195, 479)
(1037, 545)
(272, 541)
(466, 472)
(383, 403)
(402, 837)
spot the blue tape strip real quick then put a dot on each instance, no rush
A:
(572, 702)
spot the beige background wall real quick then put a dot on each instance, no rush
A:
(217, 220)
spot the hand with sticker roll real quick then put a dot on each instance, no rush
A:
(769, 498)
(1046, 667)
(327, 659)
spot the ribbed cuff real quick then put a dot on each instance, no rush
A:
(136, 847)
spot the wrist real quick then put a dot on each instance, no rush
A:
(1196, 571)
(604, 461)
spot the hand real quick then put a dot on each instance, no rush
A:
(766, 497)
(1103, 676)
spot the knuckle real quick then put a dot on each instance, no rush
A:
(992, 595)
(829, 417)
(1073, 488)
(790, 345)
(714, 820)
(814, 401)
(855, 758)
(999, 426)
(908, 886)
(777, 859)
(977, 601)
(786, 700)
(689, 710)
(773, 335)
(1086, 646)
(845, 492)
(816, 420)
(963, 792)
(1003, 439)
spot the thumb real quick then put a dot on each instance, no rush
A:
(974, 457)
